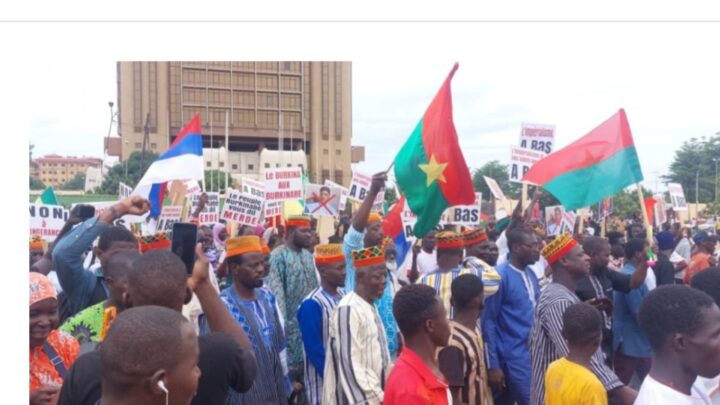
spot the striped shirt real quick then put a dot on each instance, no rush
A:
(489, 276)
(548, 345)
(441, 282)
(314, 317)
(462, 362)
(357, 362)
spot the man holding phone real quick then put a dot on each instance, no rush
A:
(597, 287)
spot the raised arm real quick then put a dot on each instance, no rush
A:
(361, 216)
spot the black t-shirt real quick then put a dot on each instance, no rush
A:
(664, 271)
(222, 362)
(602, 286)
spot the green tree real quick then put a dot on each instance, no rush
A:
(129, 172)
(215, 180)
(76, 183)
(390, 196)
(695, 157)
(498, 172)
(31, 149)
(36, 184)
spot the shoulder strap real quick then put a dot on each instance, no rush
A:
(55, 359)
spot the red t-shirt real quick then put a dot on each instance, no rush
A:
(699, 262)
(412, 382)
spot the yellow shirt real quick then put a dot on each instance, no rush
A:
(570, 383)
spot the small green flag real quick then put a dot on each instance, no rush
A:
(47, 197)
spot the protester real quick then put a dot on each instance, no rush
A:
(708, 281)
(52, 352)
(87, 325)
(396, 278)
(477, 252)
(682, 325)
(570, 380)
(416, 377)
(159, 278)
(597, 288)
(292, 277)
(424, 256)
(37, 249)
(570, 264)
(636, 231)
(255, 310)
(315, 313)
(219, 236)
(664, 269)
(84, 288)
(617, 250)
(493, 252)
(158, 366)
(357, 362)
(508, 317)
(703, 257)
(683, 248)
(449, 246)
(193, 310)
(463, 360)
(358, 237)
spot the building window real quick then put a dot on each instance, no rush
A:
(286, 66)
(289, 164)
(325, 175)
(234, 167)
(153, 145)
(338, 176)
(222, 164)
(277, 164)
(267, 165)
(138, 145)
(337, 152)
(252, 167)
(300, 165)
(209, 164)
(325, 151)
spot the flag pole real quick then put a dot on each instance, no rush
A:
(603, 225)
(648, 228)
(390, 167)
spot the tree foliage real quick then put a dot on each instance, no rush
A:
(36, 184)
(135, 169)
(498, 172)
(390, 196)
(76, 183)
(215, 180)
(696, 157)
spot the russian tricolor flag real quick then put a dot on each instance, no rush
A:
(182, 161)
(393, 227)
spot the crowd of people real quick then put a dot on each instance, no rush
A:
(499, 313)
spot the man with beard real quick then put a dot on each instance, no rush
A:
(292, 277)
(315, 313)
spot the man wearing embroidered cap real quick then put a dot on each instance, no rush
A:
(449, 246)
(315, 313)
(477, 249)
(569, 264)
(358, 363)
(292, 277)
(366, 231)
(254, 308)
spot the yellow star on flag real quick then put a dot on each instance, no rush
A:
(433, 170)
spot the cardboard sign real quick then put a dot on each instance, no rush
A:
(521, 160)
(128, 221)
(211, 212)
(494, 188)
(677, 197)
(169, 216)
(554, 219)
(660, 209)
(606, 208)
(124, 190)
(273, 208)
(252, 187)
(283, 184)
(321, 200)
(244, 209)
(409, 219)
(465, 215)
(343, 193)
(568, 222)
(46, 221)
(537, 137)
(192, 187)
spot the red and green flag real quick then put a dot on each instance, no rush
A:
(596, 166)
(430, 168)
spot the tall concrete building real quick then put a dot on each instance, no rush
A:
(278, 106)
(54, 170)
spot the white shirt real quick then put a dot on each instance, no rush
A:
(712, 388)
(652, 392)
(426, 262)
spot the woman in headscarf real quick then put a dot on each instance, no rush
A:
(219, 235)
(52, 352)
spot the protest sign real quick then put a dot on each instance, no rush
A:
(46, 221)
(211, 212)
(537, 137)
(321, 200)
(554, 219)
(465, 215)
(124, 191)
(170, 215)
(568, 222)
(273, 209)
(521, 160)
(677, 197)
(409, 219)
(343, 193)
(494, 188)
(245, 209)
(191, 187)
(282, 184)
(252, 187)
(660, 209)
(126, 220)
(606, 208)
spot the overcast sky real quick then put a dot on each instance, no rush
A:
(667, 79)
